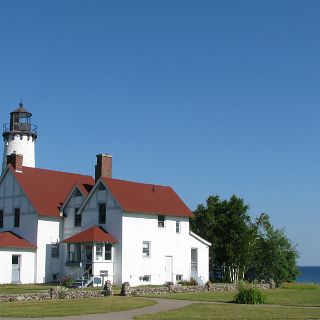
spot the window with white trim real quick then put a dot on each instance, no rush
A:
(146, 249)
(99, 251)
(108, 251)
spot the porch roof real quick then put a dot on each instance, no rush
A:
(8, 239)
(93, 234)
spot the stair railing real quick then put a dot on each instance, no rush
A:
(85, 277)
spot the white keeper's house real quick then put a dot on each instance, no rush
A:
(55, 224)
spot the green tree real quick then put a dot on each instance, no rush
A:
(227, 225)
(275, 257)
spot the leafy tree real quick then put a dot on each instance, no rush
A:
(239, 245)
(227, 225)
(274, 255)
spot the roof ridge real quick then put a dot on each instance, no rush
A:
(58, 171)
(144, 183)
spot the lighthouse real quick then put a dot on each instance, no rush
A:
(19, 137)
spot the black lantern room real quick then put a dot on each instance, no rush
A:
(20, 122)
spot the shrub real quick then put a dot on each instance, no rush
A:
(66, 282)
(191, 282)
(250, 295)
(61, 292)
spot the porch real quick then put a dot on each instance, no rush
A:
(89, 259)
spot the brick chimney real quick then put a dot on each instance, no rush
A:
(16, 161)
(104, 166)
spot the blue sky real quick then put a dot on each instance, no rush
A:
(210, 97)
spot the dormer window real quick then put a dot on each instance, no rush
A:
(1, 218)
(101, 187)
(161, 221)
(16, 221)
(102, 213)
(77, 193)
(77, 218)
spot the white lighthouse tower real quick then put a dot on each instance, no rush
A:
(19, 137)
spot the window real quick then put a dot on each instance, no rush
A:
(179, 277)
(16, 222)
(146, 278)
(99, 249)
(161, 220)
(146, 249)
(177, 226)
(77, 218)
(101, 187)
(1, 218)
(55, 250)
(102, 213)
(74, 252)
(108, 251)
(77, 193)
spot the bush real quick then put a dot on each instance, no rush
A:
(66, 282)
(250, 295)
(191, 282)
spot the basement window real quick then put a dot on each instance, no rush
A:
(146, 278)
(179, 277)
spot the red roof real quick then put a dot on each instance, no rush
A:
(48, 189)
(93, 234)
(9, 239)
(147, 198)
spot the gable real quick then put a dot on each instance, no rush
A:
(147, 198)
(48, 189)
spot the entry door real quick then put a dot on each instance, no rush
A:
(15, 275)
(168, 269)
(194, 263)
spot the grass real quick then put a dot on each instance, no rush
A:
(68, 307)
(234, 312)
(24, 288)
(286, 297)
(34, 288)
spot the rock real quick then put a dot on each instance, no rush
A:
(125, 289)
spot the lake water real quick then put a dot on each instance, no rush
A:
(309, 274)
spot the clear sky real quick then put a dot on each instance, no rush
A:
(210, 97)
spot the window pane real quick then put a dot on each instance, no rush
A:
(102, 213)
(1, 218)
(16, 217)
(177, 226)
(108, 251)
(55, 250)
(99, 248)
(146, 249)
(161, 220)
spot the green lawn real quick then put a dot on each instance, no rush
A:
(234, 312)
(286, 297)
(24, 288)
(59, 308)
